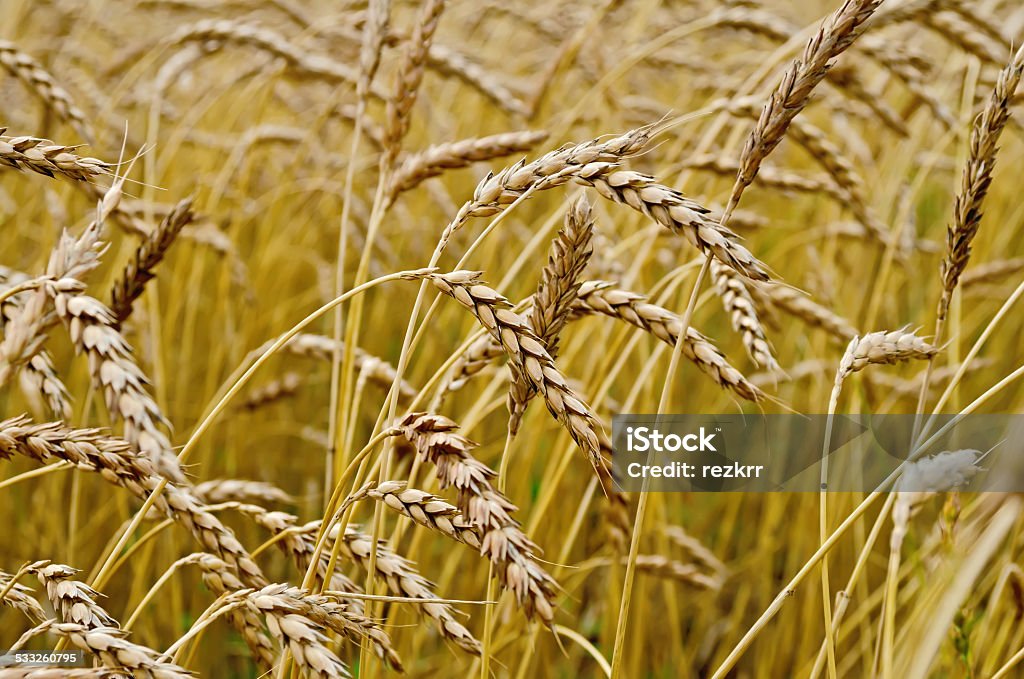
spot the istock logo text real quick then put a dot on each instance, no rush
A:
(643, 439)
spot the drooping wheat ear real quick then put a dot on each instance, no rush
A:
(526, 354)
(46, 158)
(222, 579)
(74, 601)
(739, 304)
(216, 491)
(965, 35)
(302, 61)
(556, 168)
(559, 281)
(38, 377)
(793, 92)
(299, 543)
(297, 618)
(671, 569)
(377, 370)
(26, 331)
(20, 597)
(600, 297)
(678, 213)
(275, 390)
(39, 80)
(473, 361)
(976, 178)
(139, 270)
(114, 370)
(824, 152)
(991, 272)
(450, 62)
(457, 154)
(114, 460)
(375, 30)
(801, 306)
(409, 78)
(769, 176)
(113, 650)
(425, 509)
(882, 348)
(502, 540)
(402, 579)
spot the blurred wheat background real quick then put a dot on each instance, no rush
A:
(183, 182)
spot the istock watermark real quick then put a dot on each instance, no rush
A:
(812, 453)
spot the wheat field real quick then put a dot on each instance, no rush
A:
(297, 295)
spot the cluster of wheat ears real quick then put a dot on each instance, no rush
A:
(233, 186)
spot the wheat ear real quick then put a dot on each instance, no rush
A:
(976, 178)
(793, 92)
(600, 297)
(149, 254)
(24, 67)
(559, 282)
(527, 354)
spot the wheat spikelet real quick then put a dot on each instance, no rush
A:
(678, 213)
(600, 297)
(570, 252)
(992, 271)
(38, 79)
(44, 157)
(61, 673)
(402, 580)
(434, 160)
(375, 369)
(882, 348)
(425, 509)
(148, 255)
(768, 176)
(665, 567)
(806, 309)
(25, 331)
(222, 579)
(113, 368)
(113, 650)
(448, 61)
(306, 62)
(114, 460)
(217, 491)
(20, 598)
(556, 168)
(297, 618)
(75, 601)
(502, 540)
(527, 354)
(976, 178)
(271, 392)
(739, 304)
(836, 34)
